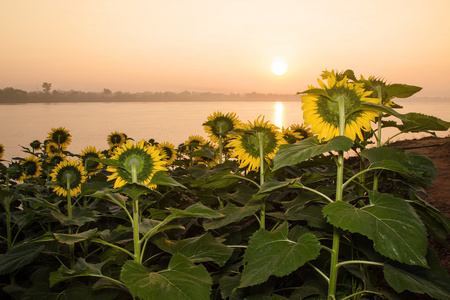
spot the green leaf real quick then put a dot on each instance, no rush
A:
(81, 268)
(71, 239)
(92, 187)
(389, 222)
(37, 202)
(199, 249)
(271, 185)
(414, 165)
(197, 210)
(17, 257)
(415, 122)
(231, 213)
(80, 216)
(310, 147)
(272, 253)
(205, 152)
(433, 281)
(110, 196)
(134, 190)
(182, 280)
(412, 122)
(401, 90)
(162, 178)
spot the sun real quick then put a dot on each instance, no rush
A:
(279, 67)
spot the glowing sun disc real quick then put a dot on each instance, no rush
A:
(279, 67)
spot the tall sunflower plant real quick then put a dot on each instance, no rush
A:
(137, 170)
(372, 232)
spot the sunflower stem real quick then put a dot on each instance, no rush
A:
(8, 213)
(69, 215)
(137, 244)
(339, 195)
(220, 149)
(260, 137)
(7, 206)
(375, 179)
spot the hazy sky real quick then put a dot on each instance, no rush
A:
(221, 46)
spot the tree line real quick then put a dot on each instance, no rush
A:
(10, 95)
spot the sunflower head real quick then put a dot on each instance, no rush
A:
(168, 151)
(303, 130)
(52, 148)
(60, 136)
(92, 167)
(55, 159)
(31, 167)
(220, 125)
(2, 151)
(321, 108)
(194, 142)
(147, 160)
(15, 170)
(247, 144)
(290, 136)
(116, 139)
(68, 175)
(373, 84)
(35, 145)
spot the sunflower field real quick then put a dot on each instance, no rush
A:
(322, 209)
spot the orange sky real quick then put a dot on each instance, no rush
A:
(221, 46)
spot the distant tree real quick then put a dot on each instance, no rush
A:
(11, 94)
(107, 92)
(46, 87)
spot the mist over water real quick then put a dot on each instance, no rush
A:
(91, 123)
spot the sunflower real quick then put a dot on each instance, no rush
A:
(116, 139)
(303, 130)
(52, 148)
(220, 125)
(2, 151)
(246, 145)
(194, 142)
(60, 136)
(68, 172)
(15, 170)
(31, 167)
(91, 167)
(147, 159)
(321, 108)
(35, 145)
(55, 159)
(372, 84)
(290, 136)
(168, 149)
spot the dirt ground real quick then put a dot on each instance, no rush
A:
(438, 150)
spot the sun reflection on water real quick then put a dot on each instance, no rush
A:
(278, 114)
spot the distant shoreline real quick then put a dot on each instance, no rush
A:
(143, 101)
(14, 96)
(224, 98)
